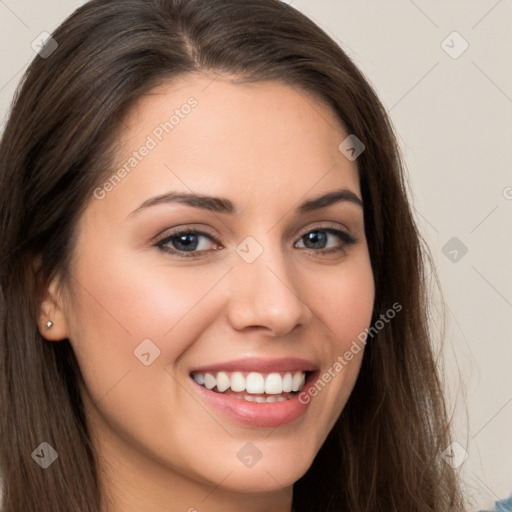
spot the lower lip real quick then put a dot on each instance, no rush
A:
(255, 414)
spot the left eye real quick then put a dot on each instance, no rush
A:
(320, 236)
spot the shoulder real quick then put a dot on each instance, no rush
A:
(504, 505)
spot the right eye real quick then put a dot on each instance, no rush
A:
(184, 241)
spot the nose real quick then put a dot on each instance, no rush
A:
(265, 294)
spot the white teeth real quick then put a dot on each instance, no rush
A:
(273, 384)
(297, 381)
(287, 382)
(261, 399)
(253, 383)
(210, 381)
(223, 381)
(237, 381)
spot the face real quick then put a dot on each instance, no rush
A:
(254, 290)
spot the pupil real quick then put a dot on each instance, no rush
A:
(316, 238)
(187, 245)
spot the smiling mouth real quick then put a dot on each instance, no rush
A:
(254, 386)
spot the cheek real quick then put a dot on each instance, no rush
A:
(127, 296)
(344, 300)
(344, 303)
(119, 302)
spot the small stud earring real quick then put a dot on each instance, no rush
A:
(49, 324)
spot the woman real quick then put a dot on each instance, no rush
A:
(213, 289)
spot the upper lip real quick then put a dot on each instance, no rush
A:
(260, 365)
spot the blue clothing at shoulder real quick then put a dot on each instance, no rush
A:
(501, 506)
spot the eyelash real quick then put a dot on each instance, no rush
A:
(346, 238)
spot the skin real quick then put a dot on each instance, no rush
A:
(267, 147)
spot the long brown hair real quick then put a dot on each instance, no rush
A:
(384, 452)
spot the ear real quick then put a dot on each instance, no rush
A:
(51, 310)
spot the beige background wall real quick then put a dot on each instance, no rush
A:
(453, 112)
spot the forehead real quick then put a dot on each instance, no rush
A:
(260, 140)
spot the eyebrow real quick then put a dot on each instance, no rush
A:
(223, 205)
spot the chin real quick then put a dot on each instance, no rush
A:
(273, 471)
